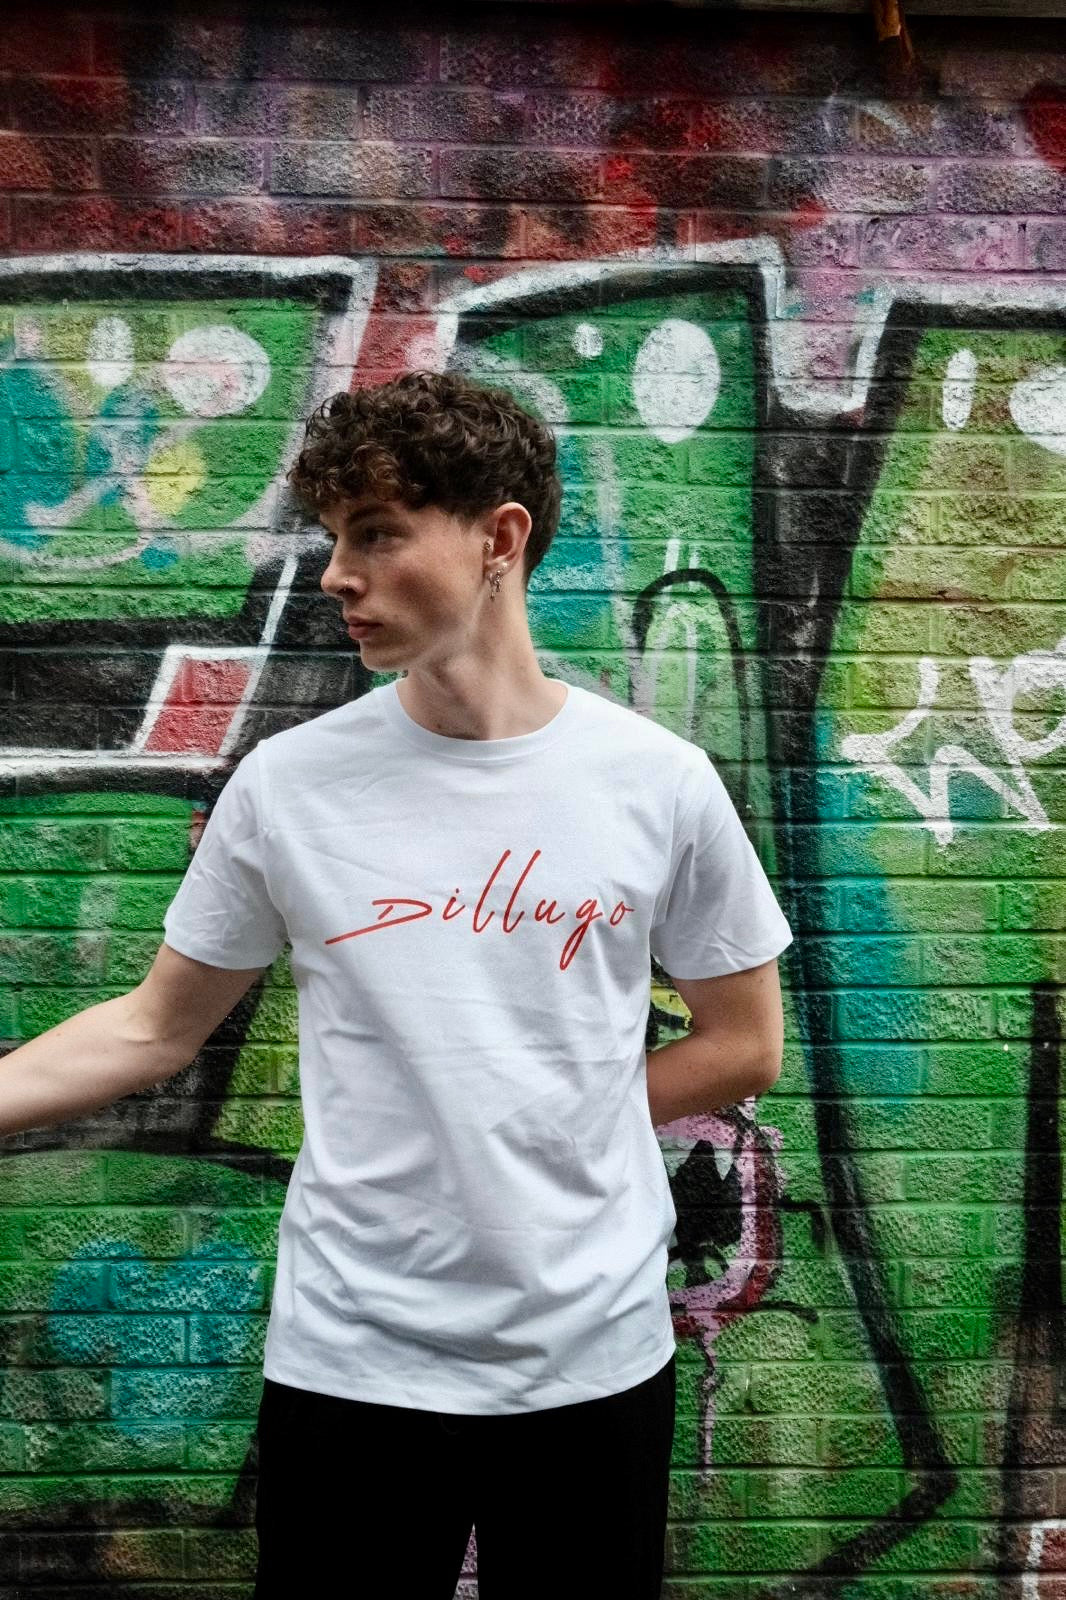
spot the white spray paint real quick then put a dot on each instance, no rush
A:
(997, 691)
(957, 395)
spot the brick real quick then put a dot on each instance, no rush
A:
(230, 1552)
(96, 223)
(1029, 906)
(1015, 186)
(1015, 1016)
(12, 1448)
(147, 846)
(933, 1545)
(990, 72)
(96, 1339)
(1005, 959)
(182, 166)
(315, 167)
(850, 185)
(699, 1496)
(266, 226)
(856, 847)
(33, 1287)
(804, 243)
(995, 517)
(777, 126)
(359, 53)
(472, 116)
(770, 1440)
(878, 1069)
(741, 1547)
(916, 1124)
(1045, 245)
(846, 1442)
(217, 1446)
(980, 1069)
(701, 1588)
(968, 1386)
(928, 1282)
(527, 54)
(977, 1178)
(561, 233)
(811, 517)
(986, 244)
(128, 1180)
(492, 174)
(899, 1014)
(436, 230)
(316, 113)
(155, 1553)
(199, 47)
(666, 54)
(45, 846)
(90, 1447)
(262, 1126)
(1041, 1439)
(803, 1494)
(97, 105)
(28, 161)
(60, 1234)
(850, 960)
(42, 1396)
(937, 128)
(996, 630)
(177, 1394)
(232, 109)
(1004, 848)
(684, 180)
(214, 1340)
(51, 958)
(64, 45)
(608, 121)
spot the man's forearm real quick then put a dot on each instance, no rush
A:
(701, 1073)
(83, 1063)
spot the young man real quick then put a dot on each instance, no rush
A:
(473, 863)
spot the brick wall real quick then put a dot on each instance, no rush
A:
(798, 323)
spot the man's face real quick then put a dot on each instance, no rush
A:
(417, 575)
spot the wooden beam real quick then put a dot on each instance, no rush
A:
(1017, 10)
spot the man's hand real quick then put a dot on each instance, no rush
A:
(734, 1048)
(120, 1045)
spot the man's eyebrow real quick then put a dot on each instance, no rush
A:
(375, 509)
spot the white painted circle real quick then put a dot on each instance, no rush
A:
(109, 354)
(1038, 406)
(956, 400)
(216, 370)
(676, 379)
(588, 340)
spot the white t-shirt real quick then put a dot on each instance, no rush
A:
(479, 1215)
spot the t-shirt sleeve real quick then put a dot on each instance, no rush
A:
(223, 913)
(717, 912)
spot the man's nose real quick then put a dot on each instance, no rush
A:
(333, 580)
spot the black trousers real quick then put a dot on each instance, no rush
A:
(362, 1500)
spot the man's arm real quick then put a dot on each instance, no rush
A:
(734, 1048)
(121, 1045)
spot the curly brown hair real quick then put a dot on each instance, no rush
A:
(433, 438)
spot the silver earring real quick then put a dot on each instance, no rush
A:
(494, 584)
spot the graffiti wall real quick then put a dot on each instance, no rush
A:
(799, 324)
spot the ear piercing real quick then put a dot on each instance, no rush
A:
(495, 577)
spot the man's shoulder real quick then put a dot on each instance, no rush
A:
(634, 729)
(314, 735)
